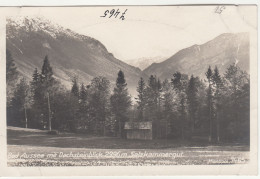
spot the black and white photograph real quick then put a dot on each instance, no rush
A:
(131, 86)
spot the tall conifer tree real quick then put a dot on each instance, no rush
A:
(120, 102)
(192, 99)
(209, 75)
(141, 98)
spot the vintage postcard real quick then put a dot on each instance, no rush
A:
(129, 90)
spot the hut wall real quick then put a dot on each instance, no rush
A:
(139, 130)
(145, 134)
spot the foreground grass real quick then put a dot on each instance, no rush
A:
(28, 147)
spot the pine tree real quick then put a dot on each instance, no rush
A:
(236, 81)
(75, 108)
(36, 87)
(192, 99)
(141, 98)
(168, 107)
(75, 87)
(152, 83)
(48, 83)
(153, 103)
(99, 93)
(158, 96)
(218, 85)
(167, 97)
(19, 104)
(243, 110)
(120, 81)
(120, 102)
(83, 93)
(83, 107)
(179, 83)
(38, 101)
(151, 97)
(209, 76)
(47, 73)
(36, 77)
(217, 78)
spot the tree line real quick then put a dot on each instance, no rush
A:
(183, 107)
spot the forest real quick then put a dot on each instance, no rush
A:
(184, 107)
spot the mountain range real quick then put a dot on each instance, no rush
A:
(72, 54)
(222, 51)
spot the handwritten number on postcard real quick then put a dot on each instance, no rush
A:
(114, 13)
(219, 9)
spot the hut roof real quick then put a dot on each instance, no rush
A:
(138, 125)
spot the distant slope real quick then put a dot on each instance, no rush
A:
(70, 54)
(222, 51)
(144, 62)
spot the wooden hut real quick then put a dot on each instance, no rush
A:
(139, 130)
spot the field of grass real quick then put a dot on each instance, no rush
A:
(30, 147)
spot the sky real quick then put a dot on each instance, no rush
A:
(149, 31)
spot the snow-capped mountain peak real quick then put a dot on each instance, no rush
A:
(30, 24)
